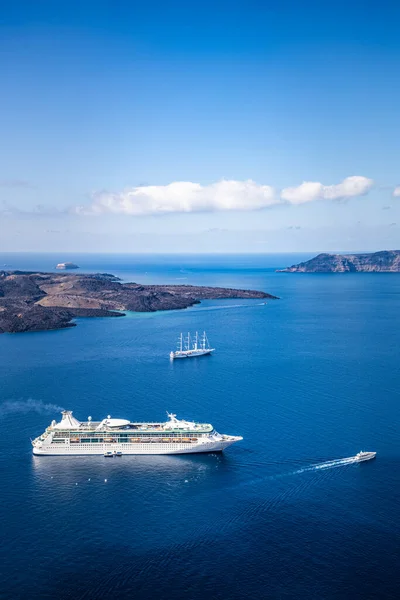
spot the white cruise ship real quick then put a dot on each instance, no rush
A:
(119, 436)
(188, 348)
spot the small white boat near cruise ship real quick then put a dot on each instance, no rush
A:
(361, 456)
(116, 437)
(190, 348)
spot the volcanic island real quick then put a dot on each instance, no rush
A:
(34, 301)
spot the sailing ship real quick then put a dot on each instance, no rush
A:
(189, 348)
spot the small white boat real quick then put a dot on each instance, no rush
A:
(190, 349)
(109, 454)
(118, 453)
(361, 456)
(66, 265)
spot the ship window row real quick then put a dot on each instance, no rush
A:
(142, 445)
(124, 436)
(129, 441)
(179, 443)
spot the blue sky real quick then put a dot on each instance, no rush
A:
(107, 107)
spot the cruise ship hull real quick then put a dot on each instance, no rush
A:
(137, 448)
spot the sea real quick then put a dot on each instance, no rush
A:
(308, 380)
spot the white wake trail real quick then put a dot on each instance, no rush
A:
(225, 306)
(329, 464)
(337, 463)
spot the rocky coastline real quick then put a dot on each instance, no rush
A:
(32, 301)
(386, 261)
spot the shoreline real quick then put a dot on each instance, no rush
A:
(40, 301)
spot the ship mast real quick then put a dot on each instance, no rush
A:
(187, 342)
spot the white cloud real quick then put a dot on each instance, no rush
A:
(306, 192)
(225, 195)
(182, 196)
(396, 191)
(314, 190)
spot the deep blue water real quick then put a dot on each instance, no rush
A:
(307, 379)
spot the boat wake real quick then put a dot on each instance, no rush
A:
(330, 464)
(225, 306)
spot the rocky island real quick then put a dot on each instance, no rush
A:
(386, 261)
(39, 301)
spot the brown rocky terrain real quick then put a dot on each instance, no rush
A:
(39, 301)
(386, 261)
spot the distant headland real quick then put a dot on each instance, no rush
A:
(386, 261)
(32, 301)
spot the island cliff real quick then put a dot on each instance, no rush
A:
(38, 301)
(386, 261)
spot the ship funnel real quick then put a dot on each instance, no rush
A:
(68, 421)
